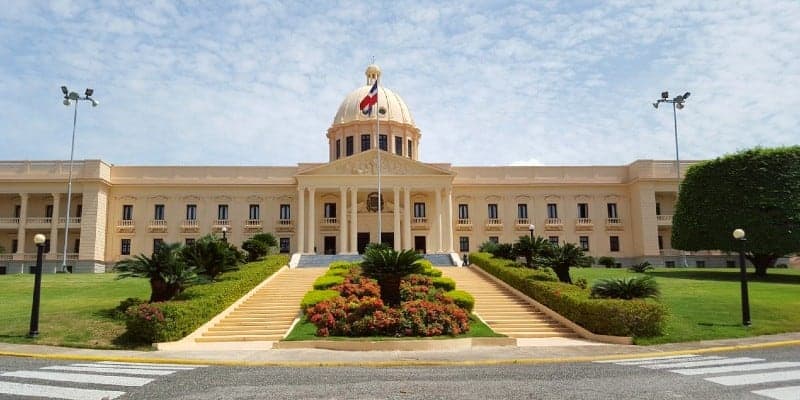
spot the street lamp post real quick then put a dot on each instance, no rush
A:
(224, 234)
(739, 235)
(677, 104)
(68, 98)
(532, 229)
(39, 239)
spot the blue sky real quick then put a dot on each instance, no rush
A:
(488, 83)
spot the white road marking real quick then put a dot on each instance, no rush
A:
(81, 378)
(187, 366)
(111, 370)
(645, 359)
(665, 362)
(142, 367)
(752, 379)
(784, 393)
(735, 368)
(690, 364)
(56, 392)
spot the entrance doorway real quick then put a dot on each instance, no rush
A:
(419, 244)
(362, 241)
(330, 245)
(387, 238)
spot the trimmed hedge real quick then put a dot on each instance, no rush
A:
(172, 320)
(343, 265)
(327, 281)
(462, 299)
(313, 297)
(444, 283)
(600, 316)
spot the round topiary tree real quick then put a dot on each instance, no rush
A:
(757, 190)
(388, 267)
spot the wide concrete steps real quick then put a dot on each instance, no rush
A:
(502, 310)
(267, 314)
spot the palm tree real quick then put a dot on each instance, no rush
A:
(564, 257)
(211, 256)
(168, 273)
(388, 267)
(537, 248)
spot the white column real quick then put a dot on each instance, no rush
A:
(23, 213)
(407, 211)
(449, 220)
(354, 220)
(397, 244)
(301, 226)
(54, 226)
(312, 221)
(342, 220)
(437, 218)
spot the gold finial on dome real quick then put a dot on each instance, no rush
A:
(373, 72)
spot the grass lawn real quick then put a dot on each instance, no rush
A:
(705, 303)
(305, 330)
(72, 311)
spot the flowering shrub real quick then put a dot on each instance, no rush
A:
(144, 321)
(358, 286)
(427, 318)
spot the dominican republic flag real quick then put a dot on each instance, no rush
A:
(369, 100)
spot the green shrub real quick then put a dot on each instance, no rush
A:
(426, 264)
(606, 261)
(581, 283)
(601, 316)
(641, 267)
(462, 299)
(639, 287)
(121, 310)
(327, 281)
(432, 272)
(337, 272)
(444, 283)
(343, 265)
(315, 296)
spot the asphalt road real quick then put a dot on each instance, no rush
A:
(736, 376)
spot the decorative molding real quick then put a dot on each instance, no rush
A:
(463, 198)
(159, 197)
(583, 197)
(124, 198)
(494, 198)
(552, 197)
(254, 198)
(227, 199)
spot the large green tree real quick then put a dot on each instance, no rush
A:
(531, 250)
(211, 256)
(166, 270)
(388, 267)
(757, 190)
(565, 256)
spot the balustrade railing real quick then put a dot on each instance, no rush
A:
(7, 220)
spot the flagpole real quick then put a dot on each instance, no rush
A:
(378, 143)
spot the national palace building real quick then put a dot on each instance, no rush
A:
(116, 211)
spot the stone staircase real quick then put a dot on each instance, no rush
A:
(502, 310)
(439, 259)
(323, 260)
(268, 314)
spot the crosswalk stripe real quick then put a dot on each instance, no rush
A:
(752, 379)
(187, 366)
(690, 364)
(736, 368)
(80, 378)
(111, 370)
(783, 393)
(150, 367)
(679, 360)
(56, 392)
(644, 359)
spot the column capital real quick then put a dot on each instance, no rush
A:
(56, 195)
(311, 190)
(23, 195)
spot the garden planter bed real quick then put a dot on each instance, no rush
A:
(440, 343)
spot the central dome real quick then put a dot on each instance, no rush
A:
(393, 107)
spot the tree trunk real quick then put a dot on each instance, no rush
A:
(390, 290)
(563, 274)
(762, 262)
(159, 290)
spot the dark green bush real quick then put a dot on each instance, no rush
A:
(639, 287)
(641, 267)
(120, 310)
(606, 261)
(327, 281)
(313, 297)
(444, 283)
(601, 316)
(462, 299)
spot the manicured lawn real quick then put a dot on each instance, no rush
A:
(706, 303)
(73, 308)
(305, 330)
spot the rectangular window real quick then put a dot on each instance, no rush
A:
(189, 241)
(410, 148)
(492, 211)
(553, 240)
(14, 245)
(463, 243)
(78, 210)
(330, 210)
(365, 144)
(48, 211)
(125, 247)
(383, 142)
(338, 148)
(522, 211)
(158, 213)
(398, 145)
(222, 211)
(46, 246)
(17, 211)
(348, 149)
(612, 210)
(463, 211)
(658, 208)
(285, 211)
(284, 244)
(669, 264)
(127, 212)
(613, 243)
(494, 239)
(419, 210)
(255, 211)
(700, 264)
(77, 248)
(583, 210)
(584, 241)
(191, 212)
(157, 243)
(730, 264)
(660, 242)
(552, 210)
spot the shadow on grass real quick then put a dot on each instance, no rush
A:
(732, 275)
(714, 324)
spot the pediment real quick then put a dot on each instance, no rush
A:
(367, 164)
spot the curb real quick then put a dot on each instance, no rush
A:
(394, 363)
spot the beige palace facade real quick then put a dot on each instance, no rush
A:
(622, 211)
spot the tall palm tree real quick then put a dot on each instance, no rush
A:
(537, 248)
(211, 256)
(388, 267)
(166, 270)
(564, 257)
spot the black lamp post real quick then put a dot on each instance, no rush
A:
(225, 234)
(532, 229)
(739, 235)
(39, 239)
